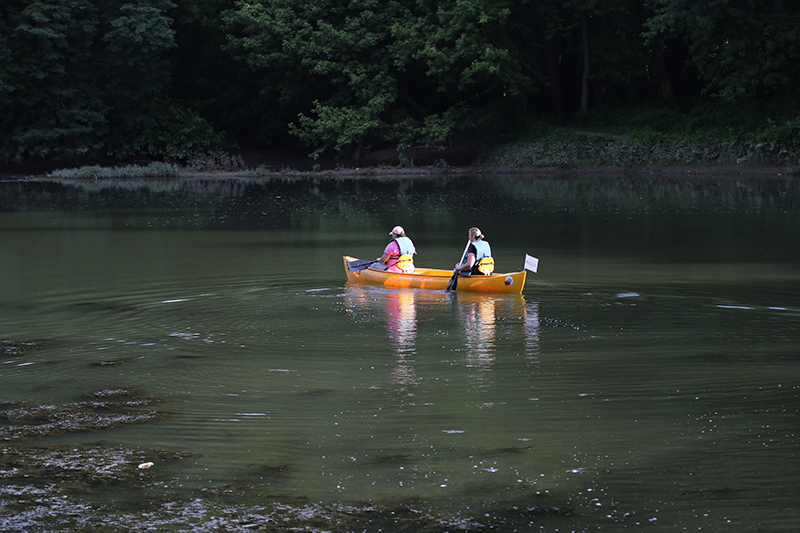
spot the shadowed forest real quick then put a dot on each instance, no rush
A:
(84, 79)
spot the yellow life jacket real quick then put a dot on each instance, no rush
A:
(486, 266)
(405, 263)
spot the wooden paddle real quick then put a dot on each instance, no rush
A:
(452, 283)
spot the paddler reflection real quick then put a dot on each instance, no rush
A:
(401, 326)
(478, 318)
(398, 308)
(489, 322)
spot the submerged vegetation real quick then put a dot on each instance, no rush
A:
(53, 510)
(15, 348)
(67, 487)
(102, 409)
(103, 487)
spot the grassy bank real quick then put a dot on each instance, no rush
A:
(152, 170)
(706, 136)
(593, 149)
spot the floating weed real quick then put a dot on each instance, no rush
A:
(69, 475)
(12, 348)
(45, 488)
(85, 465)
(544, 511)
(104, 409)
(115, 362)
(40, 509)
(132, 396)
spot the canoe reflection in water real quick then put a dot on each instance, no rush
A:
(490, 324)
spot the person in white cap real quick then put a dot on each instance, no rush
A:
(398, 256)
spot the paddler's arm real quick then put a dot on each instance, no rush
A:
(468, 264)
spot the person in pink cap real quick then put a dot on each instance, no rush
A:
(398, 256)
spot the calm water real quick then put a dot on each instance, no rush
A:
(648, 378)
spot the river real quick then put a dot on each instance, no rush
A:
(187, 354)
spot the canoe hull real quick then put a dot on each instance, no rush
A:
(436, 279)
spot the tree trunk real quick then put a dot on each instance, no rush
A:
(585, 76)
(556, 94)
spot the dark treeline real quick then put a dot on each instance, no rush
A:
(166, 77)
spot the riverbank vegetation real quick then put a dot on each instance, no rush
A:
(152, 170)
(661, 81)
(709, 135)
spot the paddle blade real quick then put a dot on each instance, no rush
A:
(358, 266)
(531, 263)
(452, 283)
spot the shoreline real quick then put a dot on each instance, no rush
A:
(418, 162)
(670, 172)
(711, 171)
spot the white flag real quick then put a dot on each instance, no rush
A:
(531, 263)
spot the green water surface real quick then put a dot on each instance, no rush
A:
(647, 378)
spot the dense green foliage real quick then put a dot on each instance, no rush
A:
(82, 75)
(167, 77)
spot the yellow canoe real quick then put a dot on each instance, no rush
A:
(436, 279)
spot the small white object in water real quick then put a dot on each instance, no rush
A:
(146, 465)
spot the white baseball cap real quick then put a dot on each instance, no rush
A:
(397, 230)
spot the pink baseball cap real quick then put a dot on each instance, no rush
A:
(397, 230)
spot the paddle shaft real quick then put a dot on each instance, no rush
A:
(464, 254)
(453, 283)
